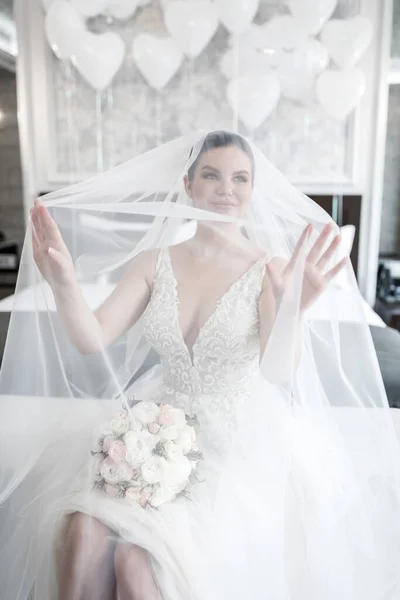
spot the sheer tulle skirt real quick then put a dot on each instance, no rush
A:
(272, 518)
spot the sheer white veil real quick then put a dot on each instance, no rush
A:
(341, 434)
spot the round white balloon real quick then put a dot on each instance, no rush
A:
(63, 27)
(90, 8)
(237, 15)
(99, 57)
(347, 40)
(158, 59)
(254, 97)
(191, 24)
(339, 92)
(311, 14)
(297, 69)
(122, 9)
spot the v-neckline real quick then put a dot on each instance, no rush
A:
(191, 351)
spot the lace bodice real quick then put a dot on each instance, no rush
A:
(225, 355)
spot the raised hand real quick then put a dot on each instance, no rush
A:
(315, 278)
(49, 250)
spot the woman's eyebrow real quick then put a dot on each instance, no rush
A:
(210, 168)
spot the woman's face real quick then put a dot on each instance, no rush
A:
(222, 181)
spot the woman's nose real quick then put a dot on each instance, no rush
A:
(225, 186)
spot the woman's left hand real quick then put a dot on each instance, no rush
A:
(315, 279)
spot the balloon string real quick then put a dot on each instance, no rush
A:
(110, 109)
(235, 49)
(158, 118)
(99, 133)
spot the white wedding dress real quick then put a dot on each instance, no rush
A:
(242, 534)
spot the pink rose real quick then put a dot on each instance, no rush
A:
(166, 416)
(108, 440)
(111, 490)
(144, 499)
(117, 451)
(133, 494)
(170, 416)
(154, 428)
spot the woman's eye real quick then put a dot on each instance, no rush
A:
(241, 179)
(209, 176)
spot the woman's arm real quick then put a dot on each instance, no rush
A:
(268, 310)
(89, 331)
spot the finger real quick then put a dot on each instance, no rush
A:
(51, 231)
(336, 269)
(317, 248)
(327, 255)
(302, 239)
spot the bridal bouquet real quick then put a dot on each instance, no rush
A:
(147, 455)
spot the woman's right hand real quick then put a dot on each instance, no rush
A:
(49, 250)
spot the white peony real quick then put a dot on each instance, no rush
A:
(135, 425)
(145, 412)
(186, 439)
(178, 472)
(115, 473)
(139, 446)
(163, 493)
(173, 452)
(168, 433)
(153, 470)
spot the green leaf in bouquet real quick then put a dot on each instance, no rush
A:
(195, 455)
(192, 421)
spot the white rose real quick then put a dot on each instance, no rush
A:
(186, 439)
(162, 493)
(145, 412)
(178, 472)
(139, 446)
(153, 470)
(119, 424)
(173, 452)
(115, 473)
(168, 433)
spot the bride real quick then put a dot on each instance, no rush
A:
(287, 506)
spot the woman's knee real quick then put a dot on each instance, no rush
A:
(129, 560)
(86, 533)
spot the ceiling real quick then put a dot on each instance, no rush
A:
(8, 36)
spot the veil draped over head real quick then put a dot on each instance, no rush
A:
(341, 436)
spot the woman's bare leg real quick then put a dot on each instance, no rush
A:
(86, 560)
(134, 575)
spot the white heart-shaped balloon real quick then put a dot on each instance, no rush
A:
(238, 14)
(297, 69)
(311, 14)
(347, 39)
(282, 33)
(254, 97)
(99, 58)
(122, 9)
(90, 8)
(63, 26)
(191, 24)
(339, 92)
(158, 59)
(243, 60)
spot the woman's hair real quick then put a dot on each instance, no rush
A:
(221, 139)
